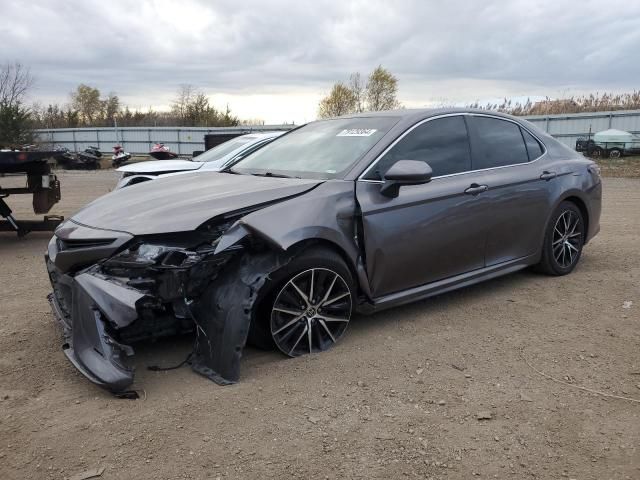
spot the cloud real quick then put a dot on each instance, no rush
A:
(290, 50)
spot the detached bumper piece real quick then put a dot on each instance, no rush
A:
(90, 345)
(105, 308)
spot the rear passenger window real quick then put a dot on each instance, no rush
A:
(533, 146)
(442, 143)
(497, 143)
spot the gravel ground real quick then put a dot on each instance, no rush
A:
(444, 388)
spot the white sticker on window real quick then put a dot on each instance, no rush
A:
(357, 132)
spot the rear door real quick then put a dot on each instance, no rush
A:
(428, 232)
(506, 156)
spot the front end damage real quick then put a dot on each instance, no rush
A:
(143, 288)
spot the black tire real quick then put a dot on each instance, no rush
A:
(312, 258)
(597, 152)
(615, 153)
(563, 241)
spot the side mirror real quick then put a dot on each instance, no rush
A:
(405, 172)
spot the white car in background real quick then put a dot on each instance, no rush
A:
(213, 159)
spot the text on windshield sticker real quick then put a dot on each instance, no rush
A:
(357, 132)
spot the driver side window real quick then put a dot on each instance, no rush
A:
(443, 143)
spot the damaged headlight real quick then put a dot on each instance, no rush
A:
(150, 252)
(147, 255)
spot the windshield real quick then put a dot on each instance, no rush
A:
(325, 149)
(219, 151)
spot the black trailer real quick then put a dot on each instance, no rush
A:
(40, 182)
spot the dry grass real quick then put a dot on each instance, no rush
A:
(628, 167)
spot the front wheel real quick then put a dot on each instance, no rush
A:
(307, 304)
(563, 240)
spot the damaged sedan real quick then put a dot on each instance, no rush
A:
(353, 214)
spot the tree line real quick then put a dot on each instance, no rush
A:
(87, 108)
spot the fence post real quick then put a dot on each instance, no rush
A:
(75, 146)
(98, 139)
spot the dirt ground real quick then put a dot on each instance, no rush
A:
(399, 397)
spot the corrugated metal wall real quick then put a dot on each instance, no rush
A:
(569, 127)
(182, 140)
(566, 127)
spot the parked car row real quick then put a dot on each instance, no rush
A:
(214, 159)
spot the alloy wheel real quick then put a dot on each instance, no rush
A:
(567, 239)
(311, 312)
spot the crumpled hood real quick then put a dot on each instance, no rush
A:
(160, 166)
(184, 202)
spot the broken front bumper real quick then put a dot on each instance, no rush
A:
(105, 307)
(86, 307)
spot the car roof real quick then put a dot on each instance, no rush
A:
(419, 113)
(263, 135)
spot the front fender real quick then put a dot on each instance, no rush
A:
(325, 213)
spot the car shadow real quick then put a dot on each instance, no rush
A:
(172, 351)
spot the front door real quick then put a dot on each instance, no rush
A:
(428, 232)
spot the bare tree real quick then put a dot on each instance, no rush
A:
(358, 89)
(380, 93)
(15, 119)
(340, 101)
(15, 83)
(382, 90)
(86, 101)
(184, 98)
(111, 107)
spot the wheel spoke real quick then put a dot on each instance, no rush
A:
(289, 311)
(300, 292)
(329, 318)
(311, 287)
(326, 329)
(298, 340)
(573, 228)
(288, 324)
(571, 247)
(335, 299)
(328, 292)
(310, 338)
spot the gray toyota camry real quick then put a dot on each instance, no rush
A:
(353, 214)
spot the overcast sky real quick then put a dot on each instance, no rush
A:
(275, 59)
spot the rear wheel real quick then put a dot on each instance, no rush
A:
(307, 304)
(563, 240)
(615, 153)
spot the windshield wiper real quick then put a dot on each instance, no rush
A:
(271, 174)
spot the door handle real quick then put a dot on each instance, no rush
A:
(548, 175)
(475, 189)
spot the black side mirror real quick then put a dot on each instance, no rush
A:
(405, 172)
